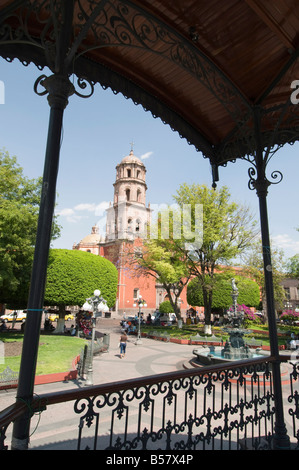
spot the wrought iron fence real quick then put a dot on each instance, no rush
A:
(211, 409)
(231, 406)
(293, 400)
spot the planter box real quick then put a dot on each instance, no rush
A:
(180, 340)
(267, 348)
(58, 377)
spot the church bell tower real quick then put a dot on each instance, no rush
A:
(128, 216)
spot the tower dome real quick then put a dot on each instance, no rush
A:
(131, 158)
(93, 238)
(90, 242)
(130, 180)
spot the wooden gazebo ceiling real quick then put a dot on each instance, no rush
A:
(203, 67)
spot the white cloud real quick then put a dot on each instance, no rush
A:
(74, 214)
(85, 207)
(101, 208)
(285, 242)
(70, 215)
(66, 212)
(146, 155)
(75, 218)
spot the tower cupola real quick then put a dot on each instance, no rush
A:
(128, 216)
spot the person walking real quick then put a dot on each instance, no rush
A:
(123, 344)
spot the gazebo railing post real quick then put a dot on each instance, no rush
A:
(280, 439)
(59, 89)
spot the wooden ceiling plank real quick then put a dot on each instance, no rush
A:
(271, 23)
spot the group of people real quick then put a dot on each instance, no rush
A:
(191, 319)
(128, 326)
(3, 326)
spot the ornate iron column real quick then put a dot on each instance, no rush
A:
(59, 51)
(59, 89)
(260, 183)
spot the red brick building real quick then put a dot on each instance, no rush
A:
(126, 223)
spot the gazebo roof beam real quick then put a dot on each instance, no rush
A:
(279, 76)
(271, 23)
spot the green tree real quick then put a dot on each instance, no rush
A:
(163, 259)
(73, 276)
(254, 268)
(227, 230)
(249, 292)
(19, 206)
(293, 266)
(165, 307)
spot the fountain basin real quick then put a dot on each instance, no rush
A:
(215, 355)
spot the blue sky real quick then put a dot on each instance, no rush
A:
(97, 134)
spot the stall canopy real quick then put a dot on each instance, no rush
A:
(222, 73)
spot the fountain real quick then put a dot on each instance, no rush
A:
(235, 347)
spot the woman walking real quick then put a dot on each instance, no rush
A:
(123, 344)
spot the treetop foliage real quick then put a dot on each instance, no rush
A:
(73, 276)
(19, 207)
(249, 292)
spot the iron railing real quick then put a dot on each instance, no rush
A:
(228, 406)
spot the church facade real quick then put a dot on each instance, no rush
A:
(127, 220)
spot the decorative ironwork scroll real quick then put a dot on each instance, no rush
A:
(112, 25)
(293, 399)
(116, 24)
(227, 409)
(81, 82)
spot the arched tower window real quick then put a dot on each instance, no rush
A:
(137, 228)
(128, 194)
(138, 195)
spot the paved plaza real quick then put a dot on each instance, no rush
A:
(57, 427)
(152, 357)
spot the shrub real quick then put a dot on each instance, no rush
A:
(165, 307)
(249, 315)
(73, 275)
(289, 316)
(249, 293)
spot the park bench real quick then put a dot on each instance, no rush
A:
(252, 342)
(204, 340)
(160, 335)
(8, 378)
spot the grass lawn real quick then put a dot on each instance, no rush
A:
(173, 331)
(55, 354)
(192, 330)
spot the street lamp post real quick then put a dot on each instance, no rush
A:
(140, 302)
(95, 304)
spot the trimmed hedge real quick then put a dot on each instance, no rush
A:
(73, 276)
(249, 293)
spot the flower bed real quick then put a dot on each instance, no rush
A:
(290, 317)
